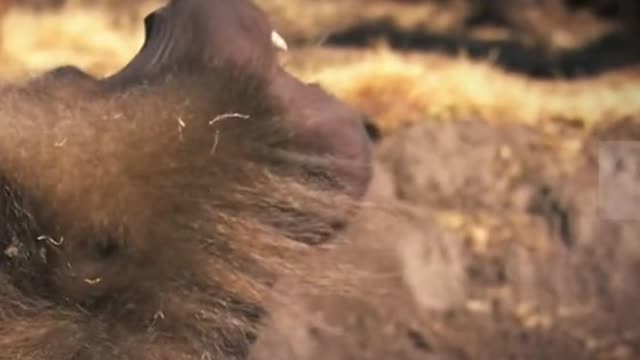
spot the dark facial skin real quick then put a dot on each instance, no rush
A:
(196, 33)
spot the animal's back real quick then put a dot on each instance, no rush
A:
(150, 223)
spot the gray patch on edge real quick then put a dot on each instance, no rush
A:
(619, 180)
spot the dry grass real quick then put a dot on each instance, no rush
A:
(310, 19)
(549, 25)
(391, 87)
(399, 88)
(90, 38)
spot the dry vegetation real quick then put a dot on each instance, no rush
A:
(398, 89)
(394, 88)
(89, 37)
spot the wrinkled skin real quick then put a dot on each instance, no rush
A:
(194, 34)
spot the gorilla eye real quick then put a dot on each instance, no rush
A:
(107, 248)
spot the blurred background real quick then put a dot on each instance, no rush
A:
(398, 60)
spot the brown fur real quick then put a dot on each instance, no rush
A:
(139, 224)
(147, 215)
(192, 34)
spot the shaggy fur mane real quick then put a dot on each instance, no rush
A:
(151, 222)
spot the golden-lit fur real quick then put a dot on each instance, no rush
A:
(150, 222)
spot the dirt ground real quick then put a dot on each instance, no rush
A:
(489, 244)
(492, 230)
